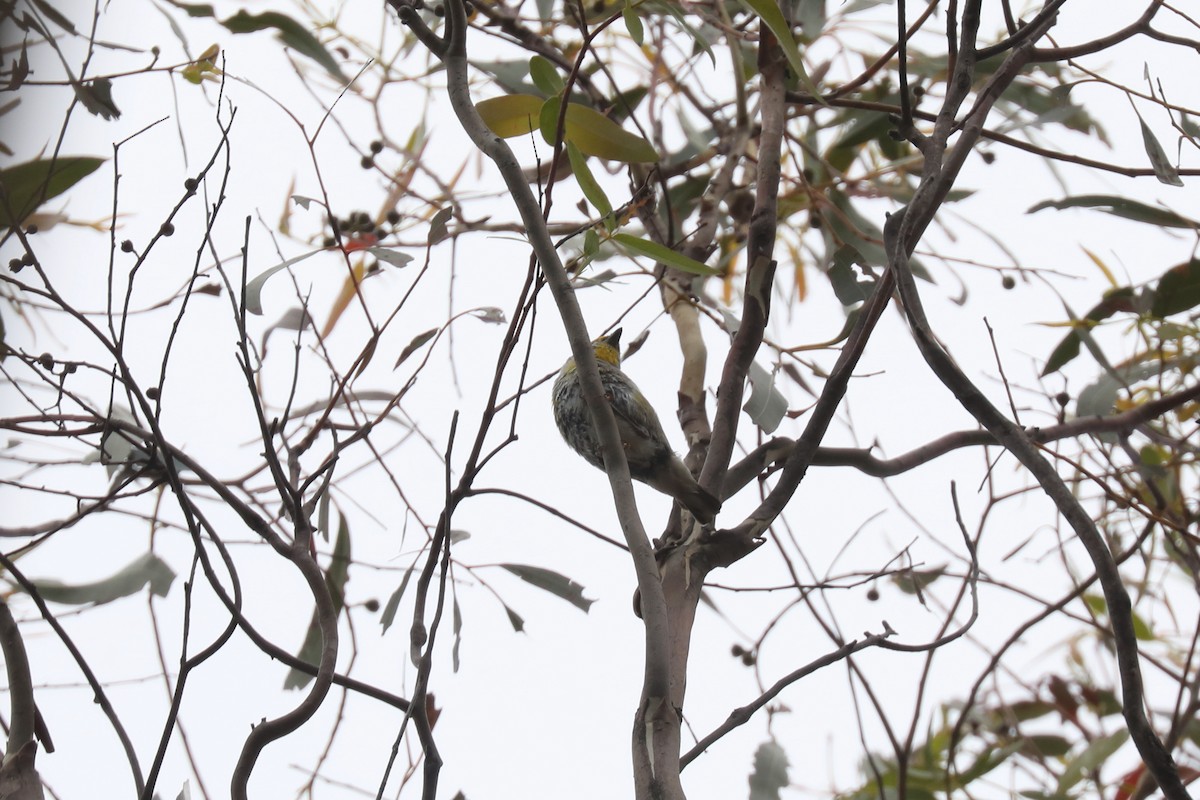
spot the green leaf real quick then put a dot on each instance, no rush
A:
(416, 343)
(987, 761)
(548, 120)
(146, 570)
(597, 135)
(1178, 290)
(1098, 398)
(555, 583)
(768, 11)
(26, 186)
(456, 625)
(336, 578)
(770, 771)
(633, 24)
(912, 581)
(54, 16)
(1048, 745)
(587, 181)
(512, 76)
(1164, 170)
(1115, 300)
(291, 33)
(1092, 758)
(701, 43)
(97, 98)
(195, 9)
(664, 254)
(850, 289)
(393, 603)
(545, 76)
(511, 114)
(1121, 207)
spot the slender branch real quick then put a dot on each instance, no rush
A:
(94, 682)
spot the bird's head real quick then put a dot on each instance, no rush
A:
(608, 348)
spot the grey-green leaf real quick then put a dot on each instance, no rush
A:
(146, 570)
(770, 772)
(553, 582)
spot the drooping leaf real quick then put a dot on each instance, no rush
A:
(633, 24)
(556, 583)
(393, 604)
(456, 624)
(291, 33)
(20, 70)
(1048, 745)
(1164, 170)
(97, 98)
(514, 619)
(512, 76)
(1121, 207)
(28, 185)
(336, 577)
(254, 287)
(770, 771)
(1098, 398)
(437, 225)
(417, 342)
(1114, 301)
(587, 181)
(850, 288)
(987, 761)
(148, 570)
(545, 76)
(347, 293)
(768, 11)
(390, 256)
(1091, 759)
(510, 115)
(1178, 290)
(913, 581)
(662, 253)
(766, 404)
(489, 314)
(597, 135)
(54, 16)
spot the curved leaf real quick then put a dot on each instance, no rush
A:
(587, 181)
(768, 11)
(597, 135)
(291, 33)
(146, 570)
(511, 114)
(26, 186)
(555, 583)
(664, 254)
(1120, 207)
(1179, 290)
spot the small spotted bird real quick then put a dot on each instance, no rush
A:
(651, 459)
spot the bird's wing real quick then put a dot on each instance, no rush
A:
(631, 407)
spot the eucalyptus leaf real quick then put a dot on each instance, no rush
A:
(553, 582)
(148, 570)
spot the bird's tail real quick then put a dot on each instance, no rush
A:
(679, 483)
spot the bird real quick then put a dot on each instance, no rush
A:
(651, 459)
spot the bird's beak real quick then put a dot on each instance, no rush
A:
(614, 338)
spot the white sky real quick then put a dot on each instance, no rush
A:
(548, 712)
